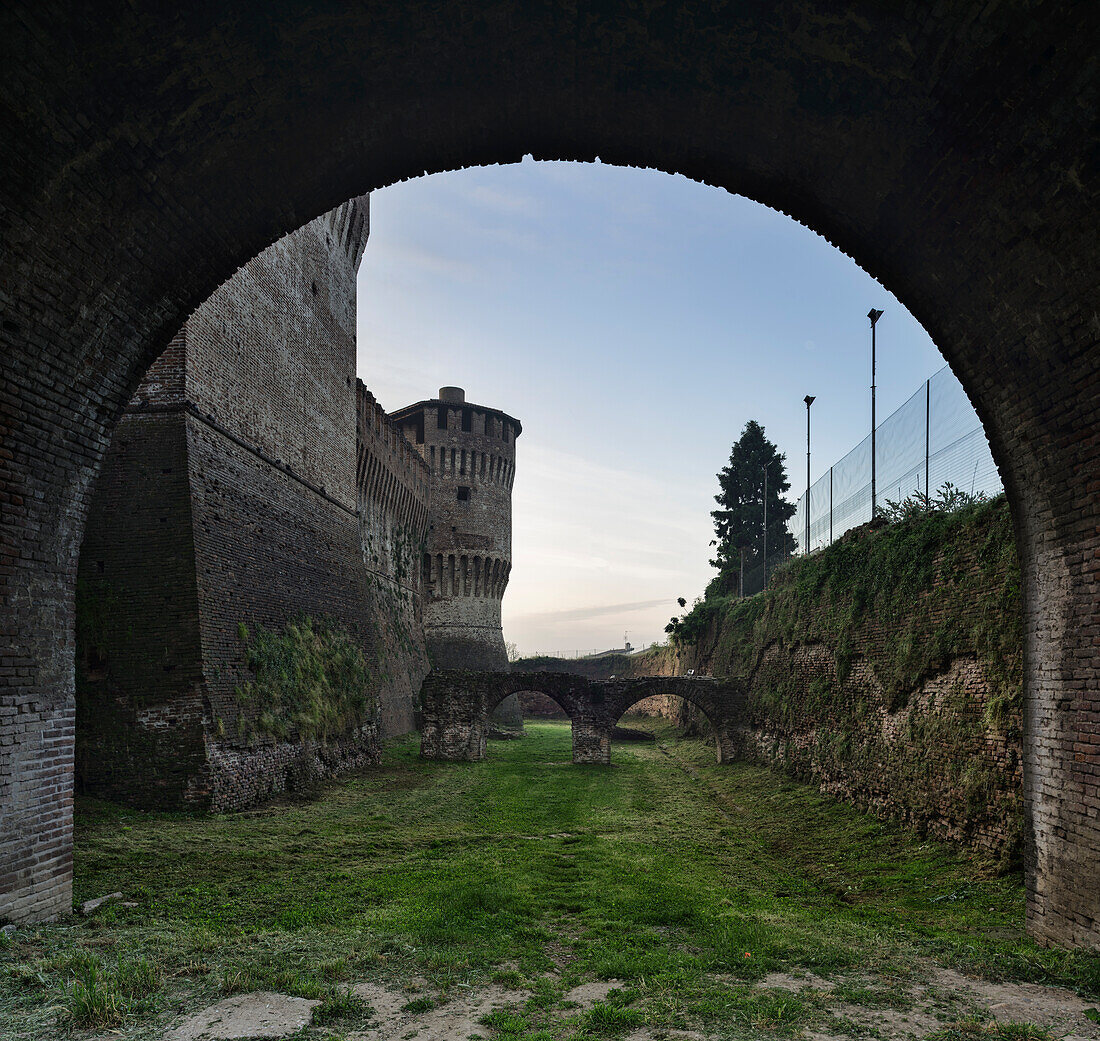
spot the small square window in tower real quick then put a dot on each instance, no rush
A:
(463, 494)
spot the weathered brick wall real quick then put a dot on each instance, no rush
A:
(394, 487)
(949, 149)
(271, 354)
(139, 710)
(251, 480)
(908, 705)
(657, 661)
(267, 548)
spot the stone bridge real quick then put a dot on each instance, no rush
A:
(457, 705)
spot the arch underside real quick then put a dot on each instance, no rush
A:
(952, 153)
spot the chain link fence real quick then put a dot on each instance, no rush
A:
(933, 438)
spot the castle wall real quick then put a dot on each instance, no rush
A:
(393, 488)
(268, 547)
(271, 354)
(139, 730)
(236, 493)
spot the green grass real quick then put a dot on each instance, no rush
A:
(529, 871)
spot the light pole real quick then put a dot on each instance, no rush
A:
(765, 526)
(809, 399)
(874, 316)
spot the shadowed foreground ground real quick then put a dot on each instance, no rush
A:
(524, 897)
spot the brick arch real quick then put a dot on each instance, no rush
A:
(556, 696)
(952, 154)
(719, 717)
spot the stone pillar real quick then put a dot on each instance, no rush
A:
(455, 721)
(457, 741)
(592, 741)
(725, 743)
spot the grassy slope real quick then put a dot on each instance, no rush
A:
(661, 872)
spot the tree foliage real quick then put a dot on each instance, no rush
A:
(739, 519)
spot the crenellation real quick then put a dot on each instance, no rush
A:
(469, 533)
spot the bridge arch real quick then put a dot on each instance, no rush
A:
(720, 718)
(951, 153)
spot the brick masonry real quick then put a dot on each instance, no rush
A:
(949, 149)
(457, 705)
(251, 479)
(470, 451)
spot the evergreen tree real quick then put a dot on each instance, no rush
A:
(739, 520)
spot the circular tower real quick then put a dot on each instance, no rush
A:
(471, 453)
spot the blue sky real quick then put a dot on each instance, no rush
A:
(633, 321)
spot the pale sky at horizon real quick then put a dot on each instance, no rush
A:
(633, 322)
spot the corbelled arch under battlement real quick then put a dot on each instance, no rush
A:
(456, 705)
(951, 151)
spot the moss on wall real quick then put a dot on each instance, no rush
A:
(311, 681)
(887, 669)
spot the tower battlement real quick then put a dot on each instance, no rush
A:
(470, 451)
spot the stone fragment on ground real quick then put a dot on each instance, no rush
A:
(89, 906)
(261, 1014)
(457, 1019)
(645, 1034)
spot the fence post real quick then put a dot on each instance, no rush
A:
(927, 428)
(830, 505)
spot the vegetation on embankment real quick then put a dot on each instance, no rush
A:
(887, 668)
(649, 662)
(686, 881)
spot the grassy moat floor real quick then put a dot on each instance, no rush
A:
(664, 897)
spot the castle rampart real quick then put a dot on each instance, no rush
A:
(252, 479)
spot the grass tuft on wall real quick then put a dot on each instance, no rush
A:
(311, 681)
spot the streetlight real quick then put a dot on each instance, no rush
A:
(765, 526)
(809, 399)
(874, 316)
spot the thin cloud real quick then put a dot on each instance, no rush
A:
(582, 614)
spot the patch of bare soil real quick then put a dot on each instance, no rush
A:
(944, 996)
(586, 995)
(1060, 1011)
(455, 1020)
(255, 1015)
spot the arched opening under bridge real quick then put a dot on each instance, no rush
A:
(950, 153)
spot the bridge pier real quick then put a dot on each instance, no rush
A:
(455, 719)
(724, 742)
(592, 741)
(454, 741)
